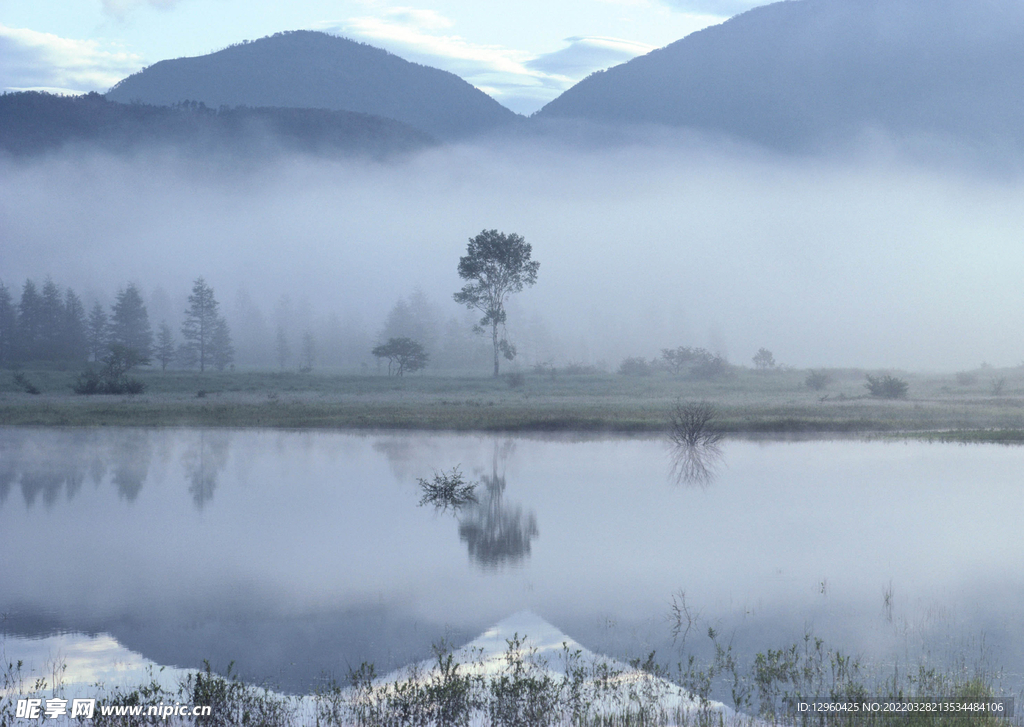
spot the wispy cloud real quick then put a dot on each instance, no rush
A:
(121, 8)
(30, 60)
(584, 55)
(719, 8)
(520, 80)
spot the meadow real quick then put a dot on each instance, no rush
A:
(985, 405)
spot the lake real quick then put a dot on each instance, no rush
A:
(296, 554)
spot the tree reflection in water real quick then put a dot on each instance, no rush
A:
(203, 461)
(47, 464)
(695, 464)
(696, 442)
(131, 455)
(497, 533)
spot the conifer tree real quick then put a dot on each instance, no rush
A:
(74, 344)
(30, 324)
(8, 326)
(223, 353)
(165, 348)
(98, 332)
(200, 324)
(129, 322)
(51, 323)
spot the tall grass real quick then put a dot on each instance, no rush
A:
(523, 690)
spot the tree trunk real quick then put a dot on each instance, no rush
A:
(494, 340)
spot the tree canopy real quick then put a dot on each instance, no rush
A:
(496, 266)
(403, 354)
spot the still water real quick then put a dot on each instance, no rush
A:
(298, 554)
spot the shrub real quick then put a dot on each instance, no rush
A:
(708, 365)
(676, 358)
(575, 368)
(817, 380)
(89, 382)
(886, 387)
(693, 424)
(515, 380)
(966, 378)
(113, 379)
(636, 366)
(21, 380)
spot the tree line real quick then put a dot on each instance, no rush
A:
(50, 324)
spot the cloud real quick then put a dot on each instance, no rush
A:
(520, 80)
(30, 60)
(585, 55)
(121, 8)
(719, 8)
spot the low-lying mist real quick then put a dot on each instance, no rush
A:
(854, 259)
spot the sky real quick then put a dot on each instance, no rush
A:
(523, 55)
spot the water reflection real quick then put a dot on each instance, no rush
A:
(695, 464)
(131, 455)
(203, 460)
(696, 441)
(47, 466)
(497, 533)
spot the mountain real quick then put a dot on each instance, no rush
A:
(33, 123)
(306, 69)
(803, 73)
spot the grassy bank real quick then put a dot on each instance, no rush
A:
(775, 402)
(521, 690)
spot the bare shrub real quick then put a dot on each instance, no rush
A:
(693, 424)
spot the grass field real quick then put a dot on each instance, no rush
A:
(938, 405)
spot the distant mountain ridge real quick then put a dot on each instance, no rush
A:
(308, 69)
(35, 123)
(806, 72)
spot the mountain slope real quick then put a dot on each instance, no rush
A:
(34, 123)
(306, 69)
(807, 72)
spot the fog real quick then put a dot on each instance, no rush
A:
(872, 257)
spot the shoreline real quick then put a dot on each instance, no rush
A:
(745, 402)
(932, 421)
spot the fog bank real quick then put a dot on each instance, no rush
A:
(864, 259)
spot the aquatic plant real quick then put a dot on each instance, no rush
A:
(447, 490)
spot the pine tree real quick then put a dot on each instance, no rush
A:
(129, 322)
(223, 353)
(165, 349)
(98, 332)
(8, 326)
(74, 331)
(308, 352)
(51, 322)
(281, 346)
(200, 324)
(30, 324)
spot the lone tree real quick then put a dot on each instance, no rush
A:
(764, 359)
(403, 354)
(200, 325)
(496, 265)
